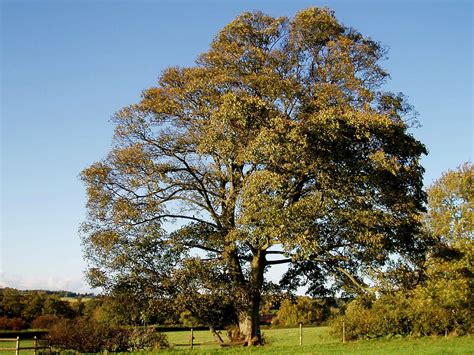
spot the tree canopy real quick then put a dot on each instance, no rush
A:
(277, 146)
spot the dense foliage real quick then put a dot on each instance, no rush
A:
(304, 310)
(88, 336)
(442, 301)
(20, 309)
(277, 147)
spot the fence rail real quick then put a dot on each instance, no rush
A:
(18, 348)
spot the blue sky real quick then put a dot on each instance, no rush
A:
(67, 66)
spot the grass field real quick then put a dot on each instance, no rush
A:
(75, 299)
(315, 341)
(23, 343)
(319, 341)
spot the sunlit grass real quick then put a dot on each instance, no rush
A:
(316, 340)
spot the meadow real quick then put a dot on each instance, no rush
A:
(316, 340)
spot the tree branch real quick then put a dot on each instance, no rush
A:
(276, 262)
(202, 247)
(175, 216)
(353, 279)
(275, 252)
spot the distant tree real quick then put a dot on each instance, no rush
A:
(79, 306)
(188, 320)
(277, 147)
(304, 310)
(34, 305)
(116, 311)
(11, 304)
(57, 307)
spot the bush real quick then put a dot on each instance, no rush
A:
(147, 339)
(402, 313)
(359, 321)
(85, 335)
(4, 323)
(44, 322)
(12, 323)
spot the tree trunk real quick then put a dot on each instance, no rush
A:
(249, 326)
(216, 335)
(249, 317)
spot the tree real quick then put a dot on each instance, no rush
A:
(55, 306)
(305, 310)
(34, 305)
(278, 146)
(11, 304)
(450, 217)
(449, 266)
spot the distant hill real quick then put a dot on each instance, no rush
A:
(61, 293)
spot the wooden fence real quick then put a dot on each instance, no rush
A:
(17, 347)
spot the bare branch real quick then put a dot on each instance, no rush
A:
(202, 247)
(175, 216)
(276, 262)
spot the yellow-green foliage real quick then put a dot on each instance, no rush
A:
(305, 310)
(279, 136)
(443, 301)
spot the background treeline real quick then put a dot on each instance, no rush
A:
(439, 304)
(21, 309)
(42, 309)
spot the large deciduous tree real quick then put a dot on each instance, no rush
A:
(278, 146)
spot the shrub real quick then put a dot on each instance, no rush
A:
(12, 323)
(44, 322)
(86, 335)
(359, 321)
(146, 338)
(402, 313)
(3, 323)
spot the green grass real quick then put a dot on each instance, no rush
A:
(319, 341)
(315, 341)
(12, 344)
(75, 299)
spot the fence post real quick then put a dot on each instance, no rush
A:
(192, 338)
(36, 343)
(17, 350)
(343, 332)
(301, 333)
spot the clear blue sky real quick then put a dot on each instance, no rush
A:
(67, 66)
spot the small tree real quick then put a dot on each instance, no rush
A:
(277, 147)
(450, 271)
